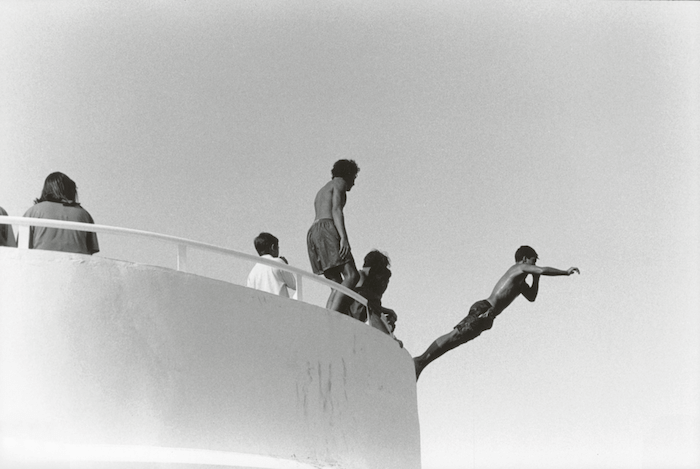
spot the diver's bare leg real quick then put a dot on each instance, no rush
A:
(447, 342)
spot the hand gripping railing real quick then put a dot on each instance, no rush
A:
(182, 245)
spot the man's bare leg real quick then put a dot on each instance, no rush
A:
(350, 276)
(335, 276)
(438, 348)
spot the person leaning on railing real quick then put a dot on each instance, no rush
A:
(59, 201)
(7, 237)
(375, 284)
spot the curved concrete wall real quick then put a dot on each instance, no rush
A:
(101, 352)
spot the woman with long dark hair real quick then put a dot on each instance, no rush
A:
(59, 201)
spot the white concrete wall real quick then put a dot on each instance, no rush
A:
(101, 352)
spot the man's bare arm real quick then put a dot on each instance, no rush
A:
(530, 292)
(548, 271)
(338, 203)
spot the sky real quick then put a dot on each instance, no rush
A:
(478, 127)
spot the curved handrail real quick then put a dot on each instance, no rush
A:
(182, 244)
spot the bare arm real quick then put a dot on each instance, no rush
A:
(548, 271)
(338, 202)
(530, 292)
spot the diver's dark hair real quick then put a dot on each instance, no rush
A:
(346, 169)
(59, 188)
(524, 252)
(264, 242)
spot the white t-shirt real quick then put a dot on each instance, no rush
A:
(270, 279)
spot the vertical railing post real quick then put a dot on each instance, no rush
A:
(299, 283)
(23, 237)
(181, 257)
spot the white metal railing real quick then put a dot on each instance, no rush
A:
(182, 245)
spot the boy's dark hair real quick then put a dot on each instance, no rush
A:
(264, 242)
(524, 252)
(58, 188)
(376, 258)
(346, 169)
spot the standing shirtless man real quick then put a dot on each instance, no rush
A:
(482, 313)
(327, 240)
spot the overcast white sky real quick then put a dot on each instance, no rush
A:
(478, 127)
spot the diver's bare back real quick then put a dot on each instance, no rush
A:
(323, 203)
(507, 288)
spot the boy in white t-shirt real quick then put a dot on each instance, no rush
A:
(266, 278)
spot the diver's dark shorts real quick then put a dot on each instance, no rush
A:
(472, 325)
(323, 244)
